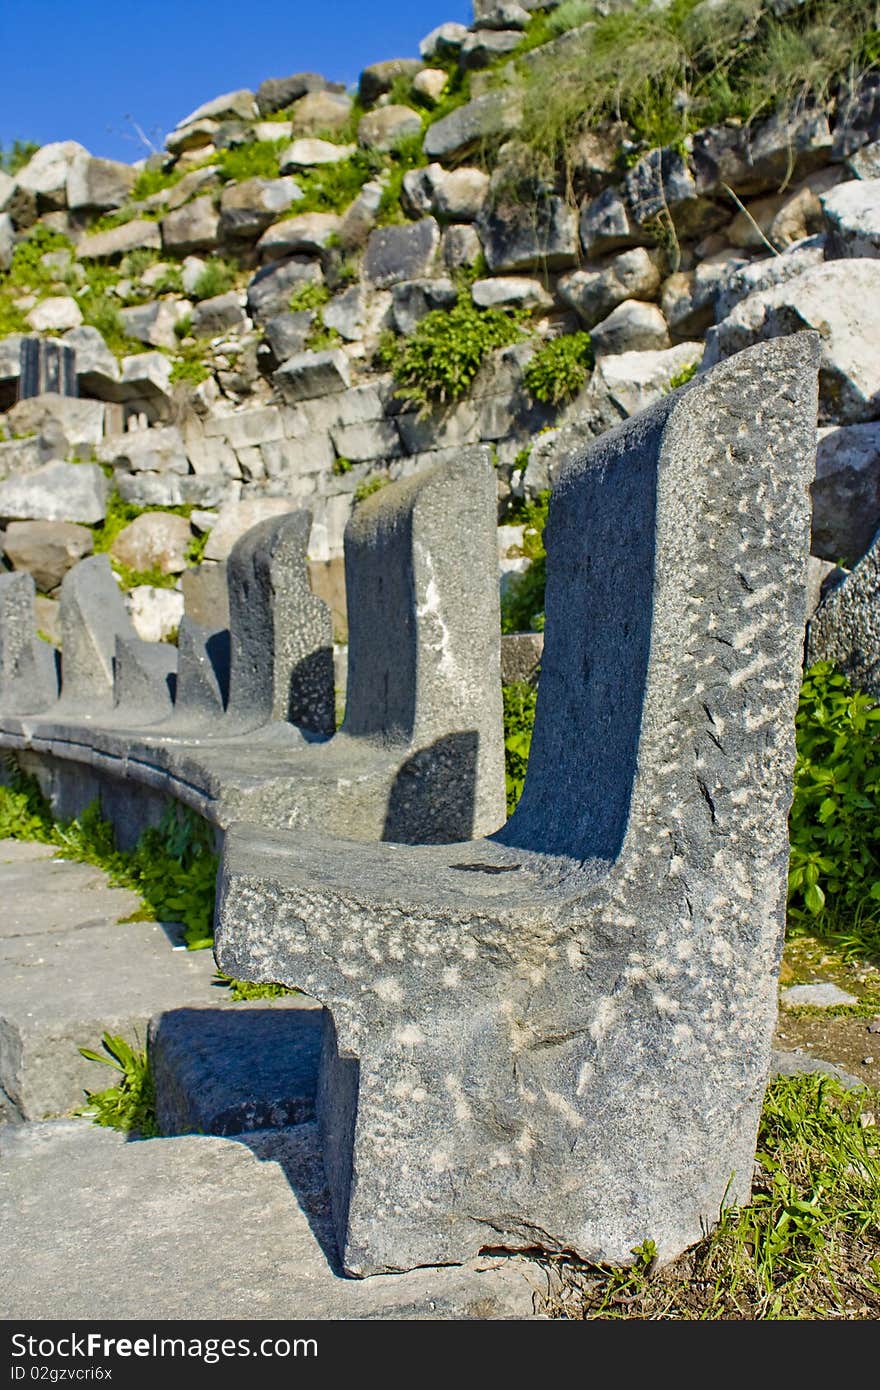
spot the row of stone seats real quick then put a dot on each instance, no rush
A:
(240, 724)
(556, 1036)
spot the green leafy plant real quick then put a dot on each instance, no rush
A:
(834, 874)
(559, 368)
(217, 277)
(189, 366)
(522, 603)
(341, 466)
(129, 1105)
(246, 989)
(24, 811)
(683, 377)
(368, 487)
(151, 181)
(437, 363)
(519, 716)
(312, 295)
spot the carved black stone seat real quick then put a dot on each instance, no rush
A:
(559, 1036)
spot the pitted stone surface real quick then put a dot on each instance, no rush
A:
(532, 1030)
(92, 617)
(845, 629)
(28, 674)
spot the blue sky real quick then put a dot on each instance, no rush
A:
(87, 71)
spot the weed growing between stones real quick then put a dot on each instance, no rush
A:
(437, 363)
(217, 277)
(519, 717)
(130, 1105)
(173, 867)
(559, 368)
(683, 377)
(246, 989)
(808, 1245)
(522, 603)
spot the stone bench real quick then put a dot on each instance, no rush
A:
(558, 1037)
(239, 725)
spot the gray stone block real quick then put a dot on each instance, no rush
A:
(404, 252)
(28, 670)
(281, 653)
(845, 629)
(144, 679)
(237, 1067)
(541, 234)
(202, 687)
(65, 1184)
(531, 1030)
(309, 375)
(93, 615)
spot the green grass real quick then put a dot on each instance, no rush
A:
(258, 159)
(246, 989)
(522, 604)
(664, 75)
(130, 1104)
(217, 277)
(151, 181)
(519, 718)
(807, 1246)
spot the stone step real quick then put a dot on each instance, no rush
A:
(203, 1227)
(237, 1066)
(71, 970)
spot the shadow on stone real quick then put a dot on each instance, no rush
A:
(433, 797)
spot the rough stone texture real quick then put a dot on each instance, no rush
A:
(605, 224)
(312, 374)
(846, 492)
(379, 78)
(845, 628)
(93, 615)
(865, 163)
(55, 314)
(538, 235)
(460, 194)
(461, 247)
(286, 333)
(309, 234)
(661, 188)
(96, 367)
(157, 450)
(194, 227)
(131, 236)
(249, 207)
(623, 385)
(270, 290)
(631, 327)
(511, 291)
(485, 46)
(144, 679)
(7, 240)
(276, 93)
(821, 995)
(65, 1184)
(156, 539)
(46, 549)
(308, 152)
(154, 613)
(202, 670)
(236, 1068)
(753, 276)
(755, 158)
(852, 211)
(799, 1063)
(80, 422)
(384, 128)
(49, 1003)
(593, 291)
(57, 492)
(237, 517)
(591, 991)
(318, 111)
(239, 104)
(98, 184)
(521, 654)
(411, 300)
(152, 323)
(841, 300)
(28, 675)
(219, 315)
(404, 252)
(445, 41)
(484, 118)
(45, 175)
(281, 636)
